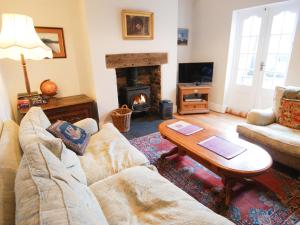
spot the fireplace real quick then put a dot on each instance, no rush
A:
(139, 88)
(138, 79)
(137, 98)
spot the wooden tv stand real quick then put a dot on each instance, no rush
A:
(192, 99)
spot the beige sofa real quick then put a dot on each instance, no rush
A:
(111, 184)
(10, 157)
(283, 143)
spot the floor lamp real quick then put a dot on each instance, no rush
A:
(19, 41)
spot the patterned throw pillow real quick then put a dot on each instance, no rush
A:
(289, 113)
(75, 138)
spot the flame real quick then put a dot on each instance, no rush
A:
(139, 99)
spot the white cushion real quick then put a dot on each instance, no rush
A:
(261, 117)
(109, 152)
(47, 194)
(33, 130)
(38, 117)
(141, 196)
(89, 125)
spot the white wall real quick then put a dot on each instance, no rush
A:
(186, 20)
(73, 74)
(105, 37)
(212, 33)
(293, 77)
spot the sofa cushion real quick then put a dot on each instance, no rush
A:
(274, 136)
(88, 124)
(38, 117)
(1, 126)
(107, 153)
(10, 156)
(289, 113)
(33, 130)
(75, 138)
(145, 197)
(261, 117)
(279, 91)
(292, 93)
(47, 194)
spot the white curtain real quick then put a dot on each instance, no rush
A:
(5, 107)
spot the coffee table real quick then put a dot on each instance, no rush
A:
(253, 162)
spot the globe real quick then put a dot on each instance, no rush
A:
(48, 88)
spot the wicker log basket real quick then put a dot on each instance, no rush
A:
(121, 118)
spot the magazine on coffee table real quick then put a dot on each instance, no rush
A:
(185, 128)
(222, 147)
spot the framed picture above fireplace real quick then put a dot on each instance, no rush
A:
(137, 25)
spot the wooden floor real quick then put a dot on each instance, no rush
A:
(221, 121)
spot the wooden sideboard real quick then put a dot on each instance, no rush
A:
(187, 105)
(71, 109)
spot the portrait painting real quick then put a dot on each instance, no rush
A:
(137, 25)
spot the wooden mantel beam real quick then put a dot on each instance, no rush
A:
(135, 60)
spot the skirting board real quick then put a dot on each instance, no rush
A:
(216, 107)
(174, 108)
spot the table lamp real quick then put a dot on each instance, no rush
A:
(19, 41)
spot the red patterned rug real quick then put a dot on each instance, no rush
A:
(253, 204)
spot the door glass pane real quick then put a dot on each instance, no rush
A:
(280, 47)
(274, 44)
(253, 45)
(285, 44)
(248, 50)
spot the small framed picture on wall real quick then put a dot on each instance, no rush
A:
(53, 37)
(183, 36)
(137, 25)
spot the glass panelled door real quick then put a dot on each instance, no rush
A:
(263, 45)
(249, 26)
(248, 51)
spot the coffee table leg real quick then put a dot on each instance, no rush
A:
(228, 190)
(174, 151)
(228, 184)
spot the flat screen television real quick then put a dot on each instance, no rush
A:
(198, 73)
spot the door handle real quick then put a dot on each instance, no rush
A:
(262, 66)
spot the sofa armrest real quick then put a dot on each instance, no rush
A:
(261, 117)
(89, 125)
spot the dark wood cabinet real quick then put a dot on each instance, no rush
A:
(71, 109)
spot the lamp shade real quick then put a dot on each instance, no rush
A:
(18, 37)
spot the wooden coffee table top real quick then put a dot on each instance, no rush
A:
(254, 161)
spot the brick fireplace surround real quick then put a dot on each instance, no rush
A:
(148, 69)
